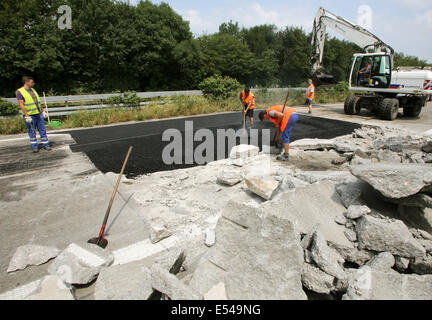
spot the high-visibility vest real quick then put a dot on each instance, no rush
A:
(287, 115)
(310, 94)
(29, 103)
(248, 99)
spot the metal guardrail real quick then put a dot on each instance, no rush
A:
(66, 110)
(96, 97)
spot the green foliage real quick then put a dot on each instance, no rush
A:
(8, 108)
(12, 125)
(128, 99)
(149, 47)
(402, 60)
(218, 87)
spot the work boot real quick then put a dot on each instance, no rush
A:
(284, 157)
(47, 148)
(310, 112)
(35, 150)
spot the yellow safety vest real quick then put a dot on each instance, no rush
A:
(29, 103)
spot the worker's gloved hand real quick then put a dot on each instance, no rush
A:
(44, 115)
(28, 119)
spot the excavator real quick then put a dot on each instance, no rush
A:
(374, 83)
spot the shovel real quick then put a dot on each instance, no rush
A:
(101, 241)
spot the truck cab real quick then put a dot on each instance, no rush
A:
(385, 91)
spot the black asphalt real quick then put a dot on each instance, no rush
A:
(107, 146)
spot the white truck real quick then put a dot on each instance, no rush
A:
(378, 87)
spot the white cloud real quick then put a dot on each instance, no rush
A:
(425, 19)
(416, 4)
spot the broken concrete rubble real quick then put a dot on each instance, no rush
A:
(316, 280)
(327, 259)
(169, 285)
(159, 231)
(230, 177)
(382, 262)
(340, 219)
(243, 151)
(80, 264)
(313, 144)
(355, 211)
(246, 243)
(130, 281)
(31, 255)
(394, 237)
(351, 235)
(395, 180)
(422, 265)
(353, 255)
(218, 292)
(401, 264)
(349, 192)
(52, 288)
(369, 284)
(210, 238)
(264, 187)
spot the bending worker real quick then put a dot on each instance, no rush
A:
(247, 99)
(31, 107)
(284, 119)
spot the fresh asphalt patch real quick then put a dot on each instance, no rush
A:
(107, 146)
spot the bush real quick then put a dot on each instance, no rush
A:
(8, 108)
(128, 98)
(12, 125)
(219, 88)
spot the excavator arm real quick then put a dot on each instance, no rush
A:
(354, 33)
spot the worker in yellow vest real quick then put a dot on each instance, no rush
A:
(247, 99)
(284, 119)
(310, 95)
(33, 113)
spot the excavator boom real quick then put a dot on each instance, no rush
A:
(354, 33)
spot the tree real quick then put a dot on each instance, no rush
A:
(226, 55)
(294, 65)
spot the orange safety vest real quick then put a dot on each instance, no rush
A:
(248, 98)
(310, 94)
(287, 115)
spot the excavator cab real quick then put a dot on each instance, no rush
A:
(371, 70)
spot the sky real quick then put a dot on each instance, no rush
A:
(406, 25)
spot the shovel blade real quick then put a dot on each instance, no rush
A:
(99, 242)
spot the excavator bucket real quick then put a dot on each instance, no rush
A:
(320, 78)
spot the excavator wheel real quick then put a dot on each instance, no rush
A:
(389, 109)
(352, 105)
(415, 107)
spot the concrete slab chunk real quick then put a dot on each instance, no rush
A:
(394, 236)
(316, 280)
(243, 151)
(258, 258)
(80, 264)
(326, 258)
(168, 284)
(395, 180)
(130, 281)
(313, 144)
(31, 255)
(264, 187)
(52, 288)
(230, 177)
(218, 292)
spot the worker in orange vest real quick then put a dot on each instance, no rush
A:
(247, 99)
(310, 95)
(284, 119)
